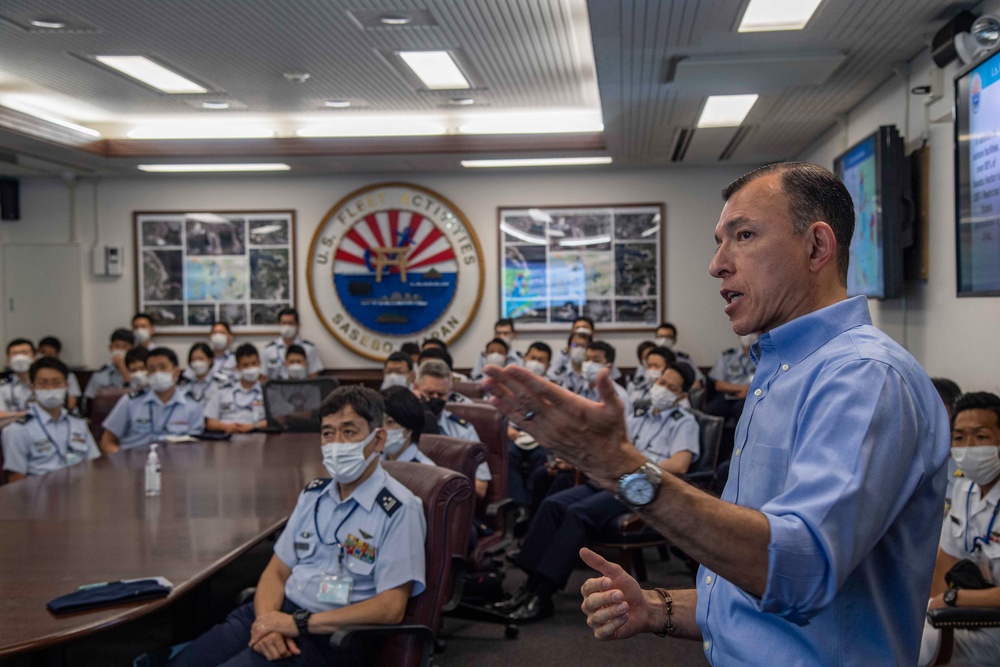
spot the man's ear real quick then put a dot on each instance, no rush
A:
(822, 246)
(379, 440)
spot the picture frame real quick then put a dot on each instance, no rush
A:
(193, 269)
(558, 263)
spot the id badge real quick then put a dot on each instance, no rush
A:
(72, 458)
(335, 588)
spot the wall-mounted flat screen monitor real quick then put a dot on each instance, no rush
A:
(977, 178)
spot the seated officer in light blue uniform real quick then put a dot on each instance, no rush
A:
(113, 375)
(15, 390)
(197, 380)
(47, 437)
(274, 352)
(223, 359)
(50, 346)
(666, 435)
(145, 416)
(352, 552)
(504, 330)
(732, 373)
(405, 422)
(598, 355)
(434, 388)
(238, 407)
(656, 361)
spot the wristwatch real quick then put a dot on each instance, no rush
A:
(951, 597)
(301, 618)
(638, 489)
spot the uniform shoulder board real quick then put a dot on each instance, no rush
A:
(639, 412)
(273, 343)
(4, 381)
(954, 520)
(458, 420)
(677, 414)
(183, 380)
(318, 484)
(25, 418)
(731, 350)
(389, 503)
(227, 384)
(307, 342)
(221, 378)
(137, 393)
(105, 367)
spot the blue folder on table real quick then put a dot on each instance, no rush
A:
(110, 593)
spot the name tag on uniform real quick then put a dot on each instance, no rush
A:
(43, 446)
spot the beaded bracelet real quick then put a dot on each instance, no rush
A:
(669, 628)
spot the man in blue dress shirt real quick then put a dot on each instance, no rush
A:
(820, 551)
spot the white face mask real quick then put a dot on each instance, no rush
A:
(396, 440)
(140, 379)
(288, 331)
(663, 341)
(981, 464)
(296, 371)
(20, 363)
(142, 335)
(50, 398)
(117, 354)
(345, 461)
(161, 381)
(251, 374)
(661, 398)
(586, 331)
(749, 339)
(199, 366)
(590, 370)
(393, 380)
(577, 354)
(219, 341)
(496, 359)
(508, 337)
(535, 366)
(653, 374)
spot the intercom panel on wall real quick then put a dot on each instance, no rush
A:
(109, 260)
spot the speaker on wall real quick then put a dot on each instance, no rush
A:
(10, 199)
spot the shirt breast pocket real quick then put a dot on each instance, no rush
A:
(359, 568)
(771, 458)
(305, 549)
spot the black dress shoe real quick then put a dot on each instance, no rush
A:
(532, 611)
(513, 602)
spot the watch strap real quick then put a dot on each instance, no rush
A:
(301, 618)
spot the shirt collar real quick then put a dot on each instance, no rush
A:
(365, 494)
(178, 396)
(796, 340)
(47, 419)
(252, 390)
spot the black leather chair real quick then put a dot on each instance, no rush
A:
(293, 405)
(100, 407)
(949, 619)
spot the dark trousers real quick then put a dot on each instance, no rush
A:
(544, 484)
(226, 644)
(564, 524)
(523, 464)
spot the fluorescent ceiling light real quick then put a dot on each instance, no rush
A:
(536, 162)
(151, 73)
(337, 104)
(533, 123)
(575, 243)
(207, 130)
(726, 110)
(170, 168)
(373, 127)
(10, 104)
(215, 105)
(49, 24)
(518, 234)
(437, 69)
(769, 15)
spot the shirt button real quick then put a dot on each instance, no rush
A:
(737, 452)
(758, 392)
(707, 645)
(708, 579)
(784, 367)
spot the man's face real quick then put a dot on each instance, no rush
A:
(975, 428)
(597, 356)
(24, 349)
(496, 348)
(48, 351)
(432, 387)
(142, 323)
(287, 320)
(504, 331)
(249, 361)
(763, 263)
(666, 332)
(159, 363)
(49, 378)
(655, 362)
(673, 381)
(295, 359)
(535, 354)
(397, 367)
(346, 426)
(120, 345)
(136, 366)
(583, 324)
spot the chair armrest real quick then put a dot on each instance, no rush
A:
(458, 568)
(630, 523)
(346, 635)
(494, 508)
(964, 617)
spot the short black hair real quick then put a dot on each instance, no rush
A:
(434, 342)
(948, 390)
(405, 408)
(667, 325)
(366, 402)
(542, 347)
(20, 341)
(505, 322)
(977, 400)
(642, 347)
(142, 315)
(51, 341)
(224, 324)
(401, 356)
(123, 336)
(138, 353)
(667, 354)
(47, 362)
(163, 352)
(409, 348)
(246, 350)
(606, 348)
(499, 341)
(288, 311)
(813, 194)
(686, 373)
(294, 348)
(569, 340)
(200, 347)
(436, 353)
(586, 319)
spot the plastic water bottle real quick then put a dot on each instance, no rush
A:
(153, 472)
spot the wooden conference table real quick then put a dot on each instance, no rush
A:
(92, 522)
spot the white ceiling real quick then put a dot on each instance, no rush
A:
(656, 60)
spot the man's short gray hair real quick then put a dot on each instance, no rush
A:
(434, 368)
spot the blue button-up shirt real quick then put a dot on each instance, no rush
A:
(841, 446)
(37, 443)
(140, 418)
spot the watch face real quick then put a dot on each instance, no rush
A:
(638, 490)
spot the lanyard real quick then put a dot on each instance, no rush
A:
(16, 404)
(663, 425)
(169, 413)
(69, 436)
(253, 397)
(336, 541)
(978, 541)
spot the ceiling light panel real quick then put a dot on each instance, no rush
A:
(726, 110)
(219, 129)
(179, 168)
(534, 123)
(152, 74)
(436, 69)
(375, 126)
(536, 162)
(773, 15)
